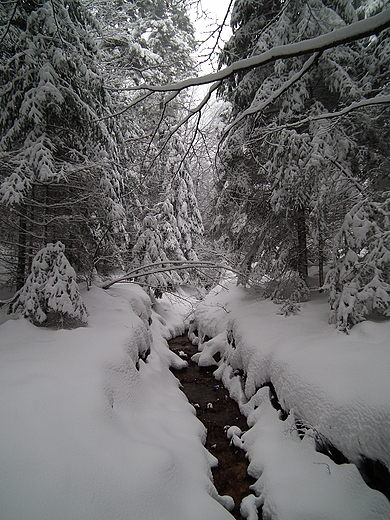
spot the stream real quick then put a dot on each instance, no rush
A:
(217, 412)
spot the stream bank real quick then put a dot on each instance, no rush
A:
(217, 411)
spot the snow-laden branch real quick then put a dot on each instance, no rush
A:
(174, 265)
(350, 33)
(376, 100)
(258, 107)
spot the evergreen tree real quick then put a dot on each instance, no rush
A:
(359, 280)
(296, 180)
(170, 230)
(181, 196)
(148, 42)
(145, 42)
(50, 296)
(61, 161)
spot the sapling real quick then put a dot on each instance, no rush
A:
(50, 296)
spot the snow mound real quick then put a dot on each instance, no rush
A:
(93, 424)
(337, 385)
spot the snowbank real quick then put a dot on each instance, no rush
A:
(337, 385)
(90, 430)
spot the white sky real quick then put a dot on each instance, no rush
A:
(216, 10)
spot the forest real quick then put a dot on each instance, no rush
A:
(165, 180)
(108, 147)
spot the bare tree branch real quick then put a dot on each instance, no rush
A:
(56, 21)
(191, 113)
(161, 267)
(9, 21)
(348, 174)
(170, 98)
(218, 32)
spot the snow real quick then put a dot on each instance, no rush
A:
(84, 434)
(94, 425)
(299, 483)
(336, 384)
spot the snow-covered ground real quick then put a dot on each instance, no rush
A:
(89, 430)
(338, 385)
(84, 434)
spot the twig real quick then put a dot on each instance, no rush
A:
(9, 21)
(191, 113)
(325, 464)
(218, 32)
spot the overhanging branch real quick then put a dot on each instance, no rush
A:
(161, 267)
(258, 107)
(377, 100)
(348, 34)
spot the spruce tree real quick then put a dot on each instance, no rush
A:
(61, 174)
(171, 228)
(50, 297)
(296, 180)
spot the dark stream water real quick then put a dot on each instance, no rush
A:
(217, 412)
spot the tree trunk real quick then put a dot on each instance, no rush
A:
(246, 265)
(320, 261)
(302, 245)
(22, 249)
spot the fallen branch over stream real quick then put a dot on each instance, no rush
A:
(165, 266)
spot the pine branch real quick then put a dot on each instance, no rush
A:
(377, 100)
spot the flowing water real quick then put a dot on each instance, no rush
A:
(217, 412)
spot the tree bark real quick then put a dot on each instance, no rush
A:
(320, 261)
(302, 245)
(246, 265)
(22, 249)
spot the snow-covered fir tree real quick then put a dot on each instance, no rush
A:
(61, 175)
(158, 242)
(297, 179)
(148, 42)
(359, 280)
(171, 229)
(181, 196)
(50, 297)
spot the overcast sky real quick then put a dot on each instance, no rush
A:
(216, 10)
